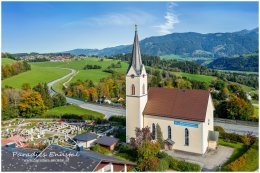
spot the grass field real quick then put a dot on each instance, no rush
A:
(58, 86)
(197, 77)
(78, 64)
(72, 109)
(94, 75)
(252, 161)
(242, 72)
(239, 149)
(34, 76)
(7, 61)
(249, 158)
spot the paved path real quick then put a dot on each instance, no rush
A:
(106, 110)
(239, 129)
(52, 92)
(210, 161)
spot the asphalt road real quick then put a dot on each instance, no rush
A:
(106, 110)
(109, 111)
(239, 129)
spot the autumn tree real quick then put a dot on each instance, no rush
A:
(10, 100)
(235, 108)
(149, 164)
(183, 84)
(31, 104)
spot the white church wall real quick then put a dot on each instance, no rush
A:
(178, 133)
(208, 125)
(135, 103)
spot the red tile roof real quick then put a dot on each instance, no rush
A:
(177, 103)
(17, 139)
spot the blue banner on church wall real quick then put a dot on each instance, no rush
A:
(181, 123)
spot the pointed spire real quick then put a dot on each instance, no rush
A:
(136, 61)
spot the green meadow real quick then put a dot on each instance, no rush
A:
(7, 61)
(92, 74)
(71, 109)
(34, 76)
(197, 77)
(241, 72)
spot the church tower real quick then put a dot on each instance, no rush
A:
(136, 91)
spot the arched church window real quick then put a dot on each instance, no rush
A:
(143, 88)
(169, 132)
(133, 89)
(153, 131)
(186, 136)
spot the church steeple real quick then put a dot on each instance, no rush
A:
(136, 61)
(136, 91)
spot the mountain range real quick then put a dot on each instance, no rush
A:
(188, 44)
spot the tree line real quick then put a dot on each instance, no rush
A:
(192, 68)
(112, 87)
(28, 102)
(10, 70)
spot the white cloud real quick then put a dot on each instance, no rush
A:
(171, 20)
(128, 18)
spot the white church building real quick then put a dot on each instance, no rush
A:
(185, 116)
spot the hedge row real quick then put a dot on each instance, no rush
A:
(76, 117)
(247, 162)
(167, 162)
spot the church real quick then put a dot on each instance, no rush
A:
(185, 116)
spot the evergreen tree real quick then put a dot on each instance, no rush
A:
(159, 136)
(59, 100)
(43, 90)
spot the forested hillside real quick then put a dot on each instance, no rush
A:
(191, 44)
(241, 63)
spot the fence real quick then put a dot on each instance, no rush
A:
(238, 122)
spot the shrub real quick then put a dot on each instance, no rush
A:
(219, 129)
(150, 164)
(119, 119)
(175, 164)
(187, 167)
(231, 137)
(99, 149)
(248, 139)
(148, 149)
(59, 100)
(162, 155)
(164, 164)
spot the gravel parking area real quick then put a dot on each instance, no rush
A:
(210, 161)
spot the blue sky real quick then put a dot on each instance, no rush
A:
(59, 26)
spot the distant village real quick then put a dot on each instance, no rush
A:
(54, 57)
